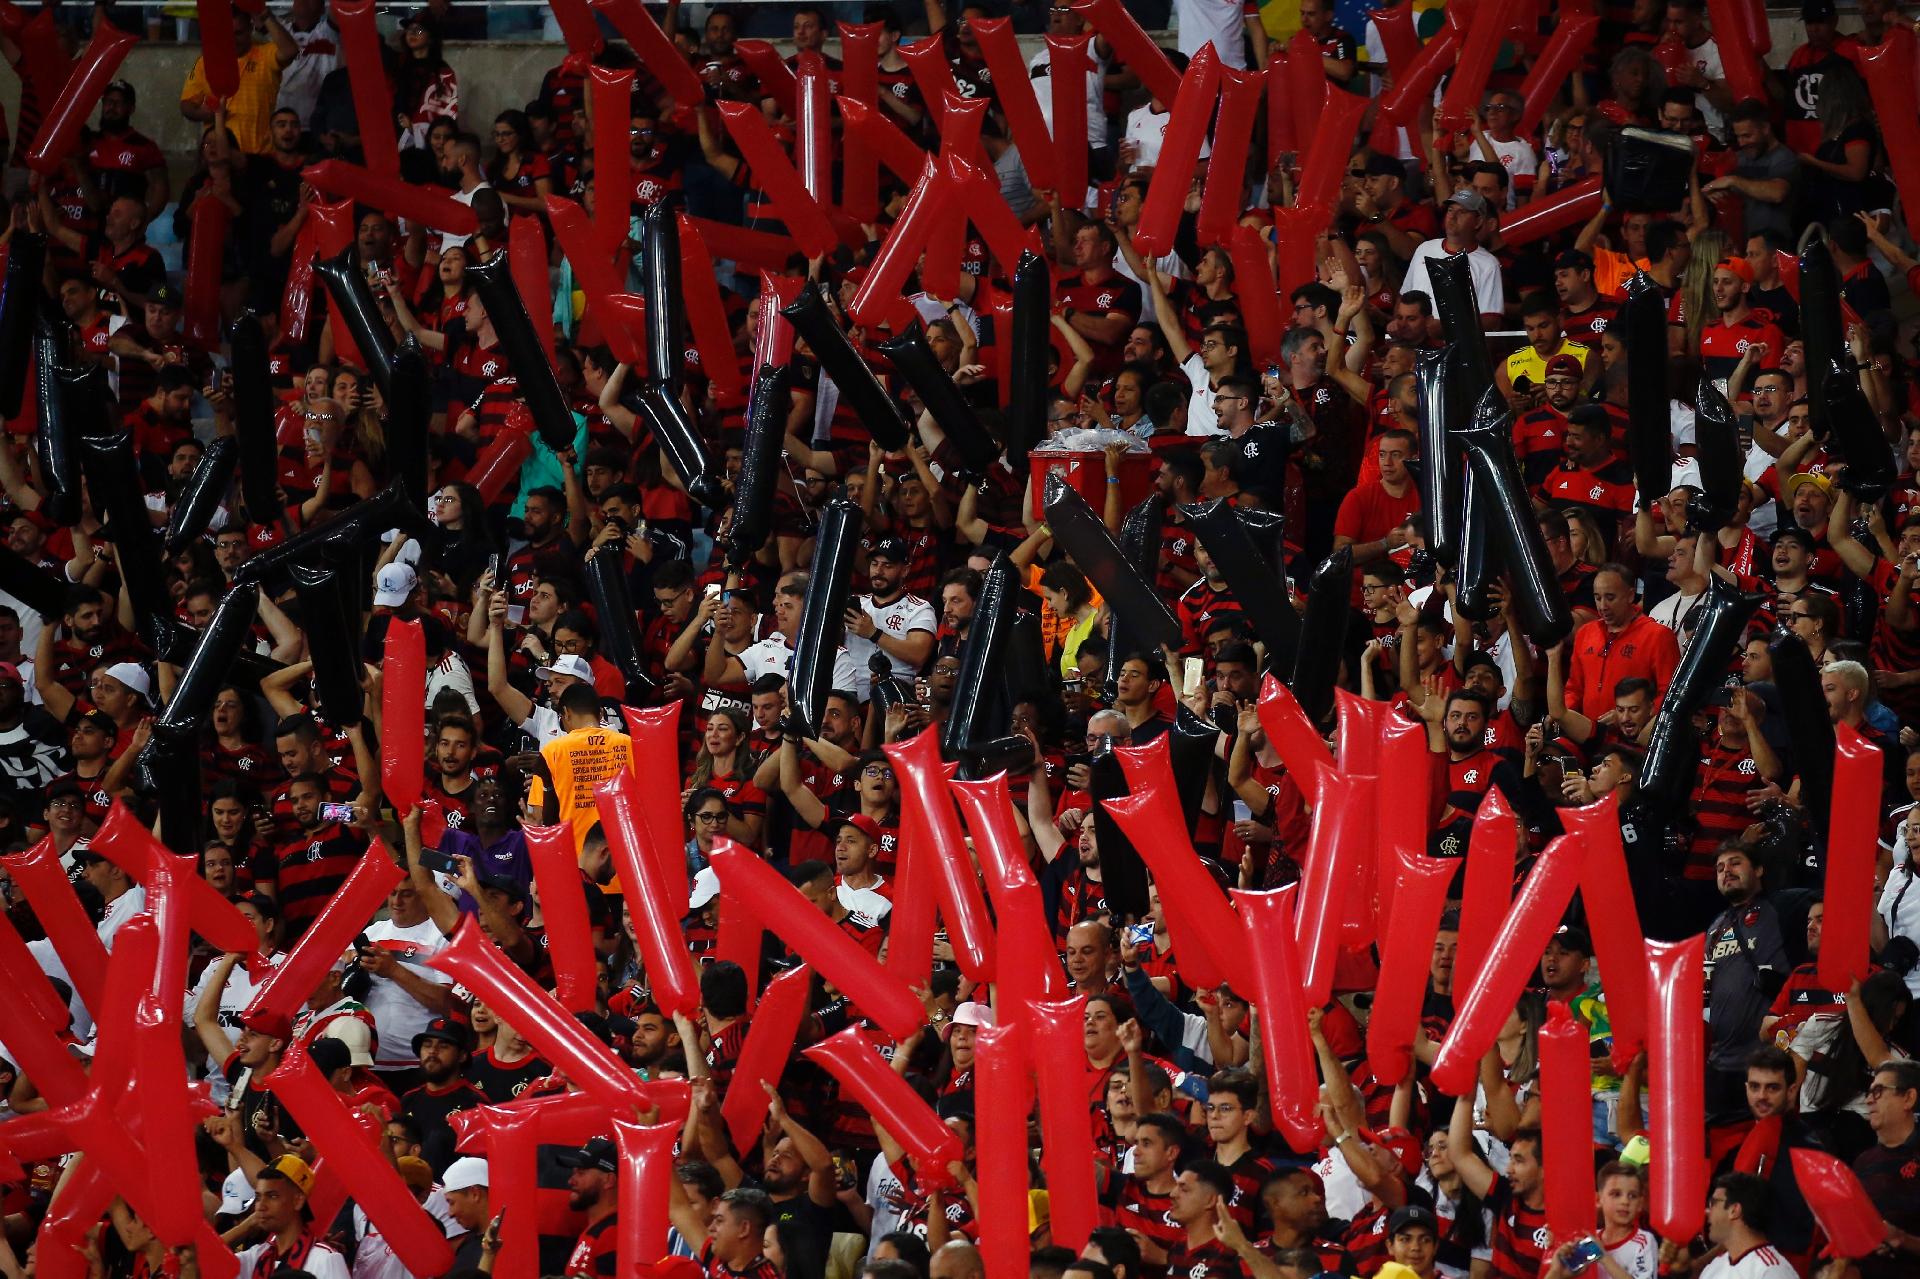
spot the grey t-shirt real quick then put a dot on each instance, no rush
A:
(1764, 215)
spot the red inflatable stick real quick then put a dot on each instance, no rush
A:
(21, 972)
(1753, 20)
(1132, 46)
(563, 902)
(598, 278)
(611, 93)
(1676, 1073)
(771, 70)
(33, 1041)
(1325, 165)
(1307, 88)
(1027, 964)
(740, 937)
(68, 112)
(1569, 206)
(123, 841)
(1890, 71)
(1745, 73)
(1224, 195)
(916, 900)
(927, 63)
(167, 1118)
(780, 909)
(1279, 990)
(1489, 26)
(1282, 137)
(1006, 238)
(1618, 942)
(428, 206)
(770, 1040)
(219, 55)
(871, 135)
(652, 908)
(867, 1079)
(44, 64)
(1509, 962)
(646, 1190)
(1333, 866)
(1359, 724)
(1569, 43)
(589, 1064)
(38, 874)
(706, 315)
(403, 709)
(1566, 1123)
(1402, 826)
(923, 790)
(1413, 84)
(657, 53)
(415, 1237)
(1847, 1216)
(499, 463)
(527, 263)
(927, 204)
(940, 265)
(772, 337)
(1852, 846)
(1406, 957)
(774, 174)
(577, 27)
(1068, 66)
(359, 29)
(1207, 942)
(761, 250)
(960, 128)
(1014, 91)
(1300, 746)
(1296, 231)
(860, 83)
(653, 742)
(1487, 885)
(510, 1137)
(1260, 299)
(1397, 36)
(1058, 1037)
(1001, 1057)
(1179, 151)
(289, 983)
(813, 147)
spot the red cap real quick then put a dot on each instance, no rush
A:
(9, 671)
(1404, 1145)
(1564, 365)
(272, 1025)
(864, 824)
(1738, 265)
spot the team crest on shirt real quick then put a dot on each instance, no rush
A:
(1595, 492)
(1471, 776)
(244, 763)
(313, 851)
(1103, 301)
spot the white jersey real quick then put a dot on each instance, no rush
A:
(398, 1016)
(899, 619)
(234, 998)
(773, 656)
(1638, 1254)
(321, 1261)
(373, 1256)
(1759, 1263)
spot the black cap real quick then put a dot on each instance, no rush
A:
(1573, 260)
(1571, 937)
(598, 1153)
(329, 1055)
(124, 88)
(444, 1028)
(1383, 166)
(1412, 1215)
(890, 548)
(165, 295)
(1819, 11)
(1794, 533)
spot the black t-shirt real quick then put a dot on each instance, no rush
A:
(270, 194)
(429, 1108)
(1262, 462)
(806, 1229)
(501, 1083)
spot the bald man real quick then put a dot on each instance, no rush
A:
(1091, 969)
(957, 1260)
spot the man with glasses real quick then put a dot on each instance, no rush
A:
(1737, 1219)
(1887, 1168)
(1220, 353)
(1495, 131)
(1466, 214)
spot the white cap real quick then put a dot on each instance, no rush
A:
(465, 1173)
(356, 1035)
(706, 887)
(133, 676)
(410, 553)
(393, 584)
(236, 1193)
(567, 664)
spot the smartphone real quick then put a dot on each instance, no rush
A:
(1242, 811)
(498, 570)
(434, 859)
(336, 812)
(1584, 1254)
(516, 614)
(712, 589)
(1140, 934)
(1193, 671)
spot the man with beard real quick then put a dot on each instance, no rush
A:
(163, 419)
(1589, 478)
(655, 1043)
(1539, 435)
(1518, 1200)
(799, 1182)
(93, 639)
(1746, 963)
(815, 882)
(593, 1188)
(888, 618)
(450, 776)
(404, 995)
(1070, 886)
(1460, 729)
(1726, 340)
(1585, 312)
(310, 867)
(32, 745)
(274, 197)
(122, 161)
(1213, 1243)
(774, 654)
(441, 1049)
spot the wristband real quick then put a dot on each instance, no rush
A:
(1113, 479)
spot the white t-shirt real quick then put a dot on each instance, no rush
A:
(300, 79)
(868, 902)
(1201, 419)
(1149, 128)
(1221, 23)
(1039, 68)
(1485, 268)
(1638, 1254)
(398, 1016)
(119, 911)
(373, 1256)
(1899, 905)
(1761, 1263)
(1672, 613)
(234, 998)
(772, 656)
(899, 619)
(1518, 158)
(1706, 60)
(322, 1261)
(1376, 54)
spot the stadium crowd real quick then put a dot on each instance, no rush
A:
(1175, 396)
